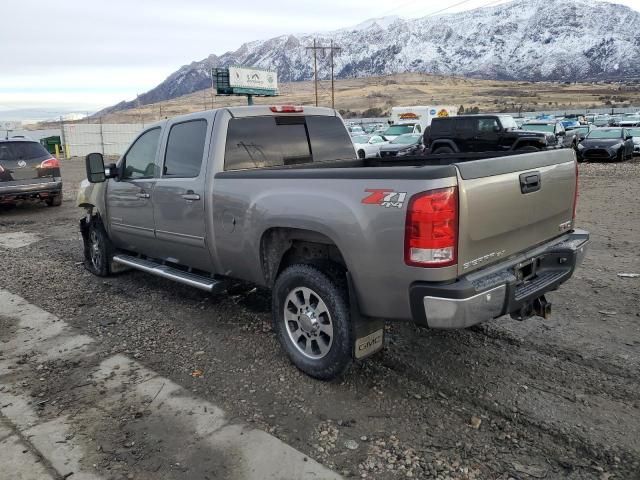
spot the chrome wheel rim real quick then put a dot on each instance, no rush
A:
(308, 323)
(95, 251)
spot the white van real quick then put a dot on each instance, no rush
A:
(415, 119)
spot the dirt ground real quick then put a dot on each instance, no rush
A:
(548, 399)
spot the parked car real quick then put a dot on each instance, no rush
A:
(629, 121)
(635, 136)
(570, 124)
(564, 138)
(355, 130)
(482, 133)
(582, 131)
(28, 171)
(407, 144)
(273, 196)
(607, 143)
(368, 146)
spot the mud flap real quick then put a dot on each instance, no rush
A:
(368, 332)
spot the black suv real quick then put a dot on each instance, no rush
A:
(483, 133)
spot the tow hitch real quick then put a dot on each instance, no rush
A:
(539, 307)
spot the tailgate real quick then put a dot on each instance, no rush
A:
(511, 204)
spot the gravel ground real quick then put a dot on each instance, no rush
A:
(535, 399)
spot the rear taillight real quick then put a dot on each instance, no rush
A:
(286, 109)
(50, 163)
(431, 235)
(575, 196)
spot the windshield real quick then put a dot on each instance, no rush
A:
(611, 133)
(406, 139)
(508, 123)
(21, 151)
(532, 127)
(360, 139)
(635, 132)
(398, 129)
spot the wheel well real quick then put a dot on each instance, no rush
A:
(443, 143)
(281, 247)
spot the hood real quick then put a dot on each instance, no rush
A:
(601, 142)
(394, 147)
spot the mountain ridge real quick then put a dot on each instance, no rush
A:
(532, 40)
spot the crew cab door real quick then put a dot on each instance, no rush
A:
(178, 197)
(129, 207)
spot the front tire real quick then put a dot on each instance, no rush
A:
(361, 154)
(311, 320)
(528, 148)
(98, 249)
(443, 150)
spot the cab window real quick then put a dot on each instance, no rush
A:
(139, 161)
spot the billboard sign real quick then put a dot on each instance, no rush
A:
(253, 79)
(10, 126)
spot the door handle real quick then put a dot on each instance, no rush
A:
(143, 195)
(530, 182)
(190, 196)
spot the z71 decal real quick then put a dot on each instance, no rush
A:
(384, 197)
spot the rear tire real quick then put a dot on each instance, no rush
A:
(443, 150)
(98, 249)
(54, 200)
(311, 320)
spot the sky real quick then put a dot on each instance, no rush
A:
(83, 55)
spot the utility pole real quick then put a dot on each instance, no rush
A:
(315, 49)
(331, 49)
(212, 94)
(333, 88)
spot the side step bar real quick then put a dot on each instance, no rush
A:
(193, 280)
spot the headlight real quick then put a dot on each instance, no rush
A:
(616, 146)
(580, 146)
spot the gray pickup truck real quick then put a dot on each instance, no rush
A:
(276, 196)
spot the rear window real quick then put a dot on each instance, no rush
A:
(261, 142)
(22, 151)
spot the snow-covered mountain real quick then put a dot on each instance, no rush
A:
(575, 40)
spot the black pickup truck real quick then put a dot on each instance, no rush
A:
(483, 133)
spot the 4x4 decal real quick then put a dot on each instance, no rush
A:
(384, 197)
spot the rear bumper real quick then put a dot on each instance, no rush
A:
(31, 189)
(499, 289)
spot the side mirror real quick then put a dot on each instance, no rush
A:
(628, 137)
(95, 168)
(562, 133)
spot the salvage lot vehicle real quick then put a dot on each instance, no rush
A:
(28, 171)
(612, 143)
(273, 196)
(368, 146)
(406, 144)
(564, 138)
(635, 136)
(483, 133)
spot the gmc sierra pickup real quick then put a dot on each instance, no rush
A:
(276, 196)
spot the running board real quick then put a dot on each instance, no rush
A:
(207, 284)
